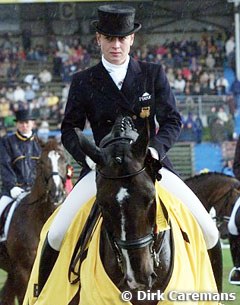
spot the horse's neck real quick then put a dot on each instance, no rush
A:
(226, 201)
(206, 188)
(214, 192)
(39, 189)
(39, 198)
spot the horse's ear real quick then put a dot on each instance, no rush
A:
(139, 148)
(89, 148)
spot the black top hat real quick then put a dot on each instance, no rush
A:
(24, 115)
(116, 20)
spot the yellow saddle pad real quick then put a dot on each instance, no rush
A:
(192, 270)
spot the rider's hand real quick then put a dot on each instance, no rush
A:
(90, 163)
(153, 153)
(153, 162)
(16, 191)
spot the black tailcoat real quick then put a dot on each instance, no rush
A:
(94, 96)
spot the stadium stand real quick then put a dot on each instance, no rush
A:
(183, 158)
(197, 54)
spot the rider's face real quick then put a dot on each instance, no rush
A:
(25, 127)
(115, 49)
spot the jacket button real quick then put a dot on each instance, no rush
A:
(134, 117)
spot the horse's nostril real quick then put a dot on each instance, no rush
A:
(128, 278)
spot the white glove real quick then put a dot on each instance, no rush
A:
(154, 153)
(90, 163)
(16, 191)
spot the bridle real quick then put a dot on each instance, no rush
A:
(148, 240)
(118, 244)
(122, 176)
(47, 177)
(151, 239)
(52, 174)
(118, 159)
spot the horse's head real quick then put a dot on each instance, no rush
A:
(52, 168)
(126, 195)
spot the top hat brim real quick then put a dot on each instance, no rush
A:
(25, 119)
(137, 27)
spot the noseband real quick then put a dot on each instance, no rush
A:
(147, 240)
(55, 174)
(135, 243)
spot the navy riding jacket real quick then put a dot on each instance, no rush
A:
(18, 159)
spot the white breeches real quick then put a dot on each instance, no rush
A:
(85, 189)
(4, 201)
(177, 187)
(232, 228)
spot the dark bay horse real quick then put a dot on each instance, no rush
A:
(17, 254)
(134, 254)
(218, 191)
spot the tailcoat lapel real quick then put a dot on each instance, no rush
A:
(133, 81)
(102, 81)
(132, 88)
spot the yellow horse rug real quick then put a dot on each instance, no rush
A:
(192, 272)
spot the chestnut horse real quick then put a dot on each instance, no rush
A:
(218, 191)
(18, 252)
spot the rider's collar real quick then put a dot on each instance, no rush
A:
(111, 67)
(24, 137)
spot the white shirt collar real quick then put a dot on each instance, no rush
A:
(111, 67)
(117, 72)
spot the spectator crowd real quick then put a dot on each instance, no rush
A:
(193, 67)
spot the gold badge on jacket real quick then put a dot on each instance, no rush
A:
(144, 100)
